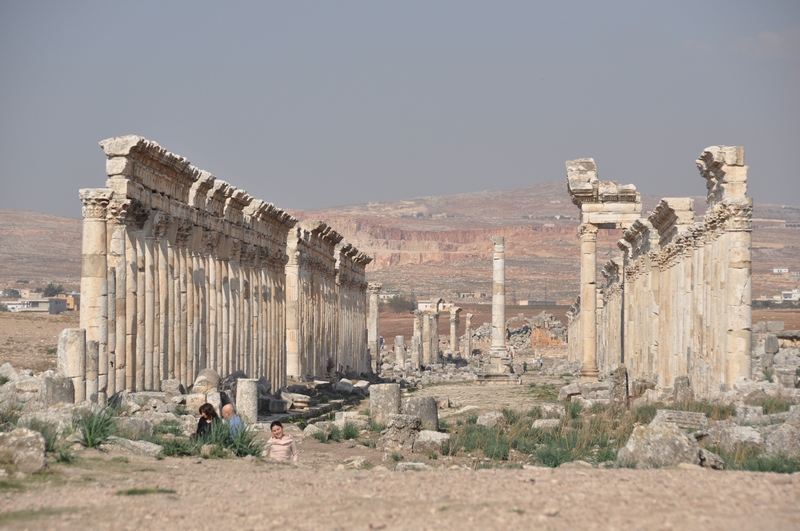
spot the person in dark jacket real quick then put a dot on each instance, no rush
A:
(207, 416)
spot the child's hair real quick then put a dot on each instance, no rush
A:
(275, 423)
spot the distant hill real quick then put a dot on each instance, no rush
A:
(433, 246)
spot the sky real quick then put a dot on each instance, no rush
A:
(321, 104)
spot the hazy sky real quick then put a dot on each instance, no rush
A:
(312, 104)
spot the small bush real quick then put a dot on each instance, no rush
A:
(350, 431)
(397, 457)
(753, 459)
(444, 425)
(534, 413)
(179, 447)
(96, 427)
(574, 409)
(375, 427)
(472, 418)
(64, 455)
(433, 456)
(511, 416)
(169, 427)
(645, 414)
(48, 431)
(335, 434)
(776, 404)
(4, 380)
(364, 412)
(321, 436)
(712, 411)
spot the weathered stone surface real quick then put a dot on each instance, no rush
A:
(384, 401)
(60, 418)
(404, 467)
(343, 386)
(428, 442)
(659, 445)
(194, 401)
(229, 382)
(28, 385)
(443, 402)
(490, 419)
(24, 449)
(215, 399)
(683, 390)
(173, 387)
(682, 419)
(312, 429)
(771, 345)
(731, 437)
(710, 460)
(400, 432)
(553, 410)
(247, 400)
(278, 406)
(783, 440)
(207, 381)
(265, 386)
(360, 423)
(134, 427)
(618, 384)
(423, 407)
(8, 372)
(357, 462)
(546, 424)
(56, 390)
(135, 447)
(568, 391)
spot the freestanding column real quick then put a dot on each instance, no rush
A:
(372, 326)
(498, 349)
(94, 279)
(416, 340)
(469, 334)
(588, 234)
(454, 346)
(399, 350)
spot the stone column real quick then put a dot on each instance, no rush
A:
(425, 335)
(498, 350)
(399, 350)
(588, 233)
(454, 346)
(384, 400)
(72, 359)
(373, 326)
(247, 399)
(469, 334)
(416, 340)
(94, 278)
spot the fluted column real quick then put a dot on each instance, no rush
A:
(469, 333)
(416, 340)
(454, 343)
(588, 233)
(498, 350)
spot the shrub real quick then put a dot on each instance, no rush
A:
(241, 443)
(472, 418)
(511, 416)
(335, 434)
(321, 436)
(753, 459)
(350, 431)
(574, 409)
(179, 447)
(444, 425)
(375, 427)
(397, 457)
(768, 374)
(645, 414)
(776, 404)
(169, 427)
(48, 431)
(4, 380)
(712, 411)
(96, 426)
(64, 455)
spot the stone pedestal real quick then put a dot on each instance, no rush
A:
(384, 400)
(247, 399)
(425, 408)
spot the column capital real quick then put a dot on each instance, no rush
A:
(95, 201)
(374, 287)
(588, 232)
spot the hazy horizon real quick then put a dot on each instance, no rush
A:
(320, 105)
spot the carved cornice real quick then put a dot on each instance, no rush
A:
(161, 225)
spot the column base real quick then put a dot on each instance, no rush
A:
(589, 374)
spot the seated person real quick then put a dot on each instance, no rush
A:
(235, 423)
(281, 447)
(207, 416)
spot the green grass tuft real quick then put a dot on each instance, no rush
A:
(321, 436)
(142, 492)
(96, 427)
(350, 431)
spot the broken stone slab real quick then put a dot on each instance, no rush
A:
(194, 401)
(24, 449)
(278, 406)
(546, 424)
(783, 439)
(553, 410)
(56, 390)
(264, 386)
(360, 423)
(357, 462)
(730, 437)
(172, 388)
(490, 419)
(710, 460)
(568, 391)
(591, 389)
(656, 446)
(429, 442)
(134, 427)
(312, 429)
(404, 467)
(28, 385)
(362, 384)
(423, 407)
(685, 420)
(400, 433)
(60, 418)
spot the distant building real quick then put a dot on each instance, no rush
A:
(51, 306)
(780, 270)
(73, 300)
(793, 295)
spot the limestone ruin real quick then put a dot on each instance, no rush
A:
(677, 303)
(182, 271)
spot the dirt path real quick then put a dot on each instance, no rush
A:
(239, 494)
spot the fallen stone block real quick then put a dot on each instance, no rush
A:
(207, 381)
(660, 445)
(423, 407)
(490, 419)
(429, 442)
(278, 406)
(28, 385)
(343, 386)
(24, 449)
(56, 390)
(134, 427)
(553, 410)
(546, 424)
(568, 391)
(400, 432)
(403, 467)
(731, 437)
(783, 439)
(384, 401)
(194, 401)
(685, 420)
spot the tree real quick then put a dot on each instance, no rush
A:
(11, 293)
(51, 290)
(400, 304)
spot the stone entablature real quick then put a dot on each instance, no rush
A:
(681, 305)
(182, 271)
